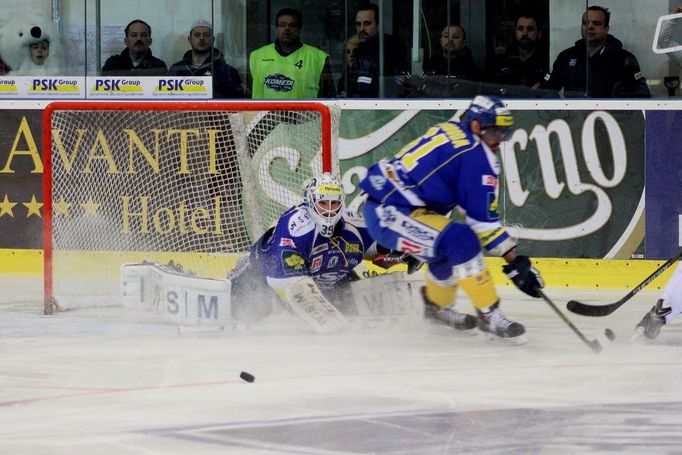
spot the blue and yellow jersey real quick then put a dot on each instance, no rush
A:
(446, 168)
(295, 250)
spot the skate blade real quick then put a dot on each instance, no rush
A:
(514, 341)
(472, 332)
(469, 332)
(640, 338)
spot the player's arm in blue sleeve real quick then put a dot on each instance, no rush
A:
(286, 261)
(483, 218)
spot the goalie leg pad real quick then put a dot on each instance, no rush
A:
(305, 299)
(388, 296)
(174, 295)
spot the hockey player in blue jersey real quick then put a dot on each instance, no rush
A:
(319, 238)
(453, 165)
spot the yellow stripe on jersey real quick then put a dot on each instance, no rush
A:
(431, 219)
(487, 237)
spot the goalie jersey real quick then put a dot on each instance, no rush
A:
(293, 249)
(446, 168)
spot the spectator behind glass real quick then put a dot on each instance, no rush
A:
(4, 68)
(136, 59)
(205, 60)
(455, 57)
(27, 42)
(349, 75)
(612, 72)
(526, 61)
(287, 68)
(38, 52)
(366, 84)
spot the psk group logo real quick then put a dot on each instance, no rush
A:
(8, 87)
(54, 86)
(279, 83)
(121, 87)
(186, 87)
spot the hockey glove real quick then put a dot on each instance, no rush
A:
(526, 277)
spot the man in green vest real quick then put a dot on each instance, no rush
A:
(287, 68)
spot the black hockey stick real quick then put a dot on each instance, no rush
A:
(604, 310)
(595, 344)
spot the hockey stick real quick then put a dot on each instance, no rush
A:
(585, 309)
(595, 344)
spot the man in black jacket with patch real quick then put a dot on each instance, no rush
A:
(205, 60)
(612, 72)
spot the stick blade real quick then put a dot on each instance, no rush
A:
(584, 309)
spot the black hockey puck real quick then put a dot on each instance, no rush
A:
(248, 377)
(609, 334)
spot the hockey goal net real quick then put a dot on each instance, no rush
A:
(195, 183)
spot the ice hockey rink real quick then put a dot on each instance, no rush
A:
(112, 382)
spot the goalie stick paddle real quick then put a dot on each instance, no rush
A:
(596, 344)
(585, 309)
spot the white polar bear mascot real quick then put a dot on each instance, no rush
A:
(16, 38)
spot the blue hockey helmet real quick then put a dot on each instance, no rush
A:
(489, 111)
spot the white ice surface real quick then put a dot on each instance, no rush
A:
(109, 382)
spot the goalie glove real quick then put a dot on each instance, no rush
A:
(388, 260)
(526, 277)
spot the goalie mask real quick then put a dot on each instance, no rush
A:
(324, 198)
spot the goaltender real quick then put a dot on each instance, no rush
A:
(319, 239)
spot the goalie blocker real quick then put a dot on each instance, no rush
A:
(386, 301)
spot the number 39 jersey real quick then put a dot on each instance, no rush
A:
(446, 168)
(294, 249)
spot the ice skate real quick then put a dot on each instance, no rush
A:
(499, 328)
(650, 325)
(455, 319)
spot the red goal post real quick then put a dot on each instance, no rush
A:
(195, 182)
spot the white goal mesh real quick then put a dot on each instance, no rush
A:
(195, 183)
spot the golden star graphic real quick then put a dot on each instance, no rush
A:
(61, 207)
(33, 207)
(6, 207)
(90, 206)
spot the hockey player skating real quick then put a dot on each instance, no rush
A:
(668, 306)
(319, 239)
(409, 196)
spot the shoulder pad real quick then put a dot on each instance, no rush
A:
(299, 222)
(354, 218)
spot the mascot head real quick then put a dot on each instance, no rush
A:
(16, 38)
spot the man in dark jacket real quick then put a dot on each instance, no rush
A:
(454, 58)
(526, 61)
(205, 60)
(364, 83)
(136, 59)
(612, 72)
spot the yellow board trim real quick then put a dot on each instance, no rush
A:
(580, 273)
(587, 273)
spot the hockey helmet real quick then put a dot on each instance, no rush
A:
(324, 199)
(490, 112)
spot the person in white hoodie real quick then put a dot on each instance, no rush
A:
(30, 46)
